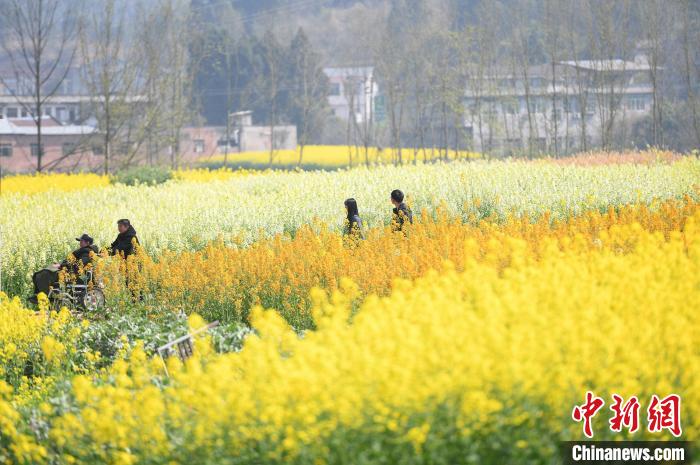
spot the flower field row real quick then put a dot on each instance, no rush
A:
(62, 182)
(479, 362)
(38, 229)
(334, 157)
(225, 283)
(650, 156)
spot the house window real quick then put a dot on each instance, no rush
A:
(66, 87)
(198, 146)
(69, 148)
(97, 149)
(511, 108)
(636, 104)
(35, 149)
(540, 144)
(25, 113)
(335, 89)
(11, 86)
(537, 106)
(60, 113)
(5, 150)
(11, 112)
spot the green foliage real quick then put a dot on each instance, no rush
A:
(107, 336)
(148, 175)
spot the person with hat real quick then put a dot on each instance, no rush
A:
(82, 253)
(82, 256)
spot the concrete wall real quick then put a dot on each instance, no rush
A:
(200, 142)
(197, 143)
(257, 138)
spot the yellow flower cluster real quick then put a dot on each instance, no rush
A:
(478, 362)
(34, 183)
(20, 329)
(64, 182)
(35, 344)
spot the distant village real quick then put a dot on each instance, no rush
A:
(502, 111)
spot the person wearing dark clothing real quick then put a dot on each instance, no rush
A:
(124, 247)
(81, 256)
(43, 280)
(76, 261)
(83, 252)
(354, 222)
(124, 243)
(401, 214)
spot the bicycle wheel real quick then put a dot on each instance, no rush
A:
(60, 301)
(94, 299)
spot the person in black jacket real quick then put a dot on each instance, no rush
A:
(354, 222)
(82, 253)
(123, 245)
(80, 258)
(401, 214)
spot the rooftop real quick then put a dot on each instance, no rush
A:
(609, 65)
(49, 127)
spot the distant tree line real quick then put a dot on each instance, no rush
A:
(278, 82)
(153, 67)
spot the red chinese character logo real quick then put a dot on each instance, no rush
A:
(587, 411)
(626, 414)
(665, 414)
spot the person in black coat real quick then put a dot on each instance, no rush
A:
(354, 222)
(401, 214)
(83, 252)
(123, 245)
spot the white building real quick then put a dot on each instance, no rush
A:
(557, 104)
(69, 104)
(352, 92)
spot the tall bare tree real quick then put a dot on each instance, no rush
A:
(552, 45)
(690, 67)
(578, 18)
(611, 44)
(178, 74)
(38, 36)
(110, 70)
(309, 90)
(271, 83)
(657, 21)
